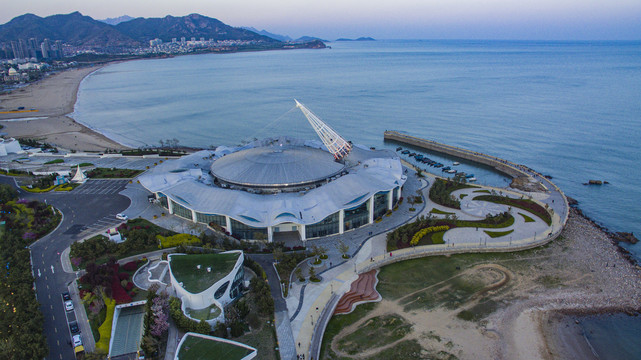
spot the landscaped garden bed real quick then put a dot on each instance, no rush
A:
(525, 204)
(441, 192)
(402, 236)
(113, 173)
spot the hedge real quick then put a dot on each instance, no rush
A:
(419, 235)
(105, 328)
(175, 240)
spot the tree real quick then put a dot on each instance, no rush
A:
(7, 193)
(312, 273)
(342, 248)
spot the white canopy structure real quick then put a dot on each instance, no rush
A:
(281, 185)
(80, 176)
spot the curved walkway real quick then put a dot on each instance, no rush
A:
(460, 240)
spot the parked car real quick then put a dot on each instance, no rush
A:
(66, 296)
(68, 305)
(73, 327)
(121, 217)
(77, 341)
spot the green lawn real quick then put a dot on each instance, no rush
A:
(198, 348)
(197, 280)
(104, 173)
(526, 218)
(482, 191)
(496, 234)
(375, 332)
(207, 313)
(441, 212)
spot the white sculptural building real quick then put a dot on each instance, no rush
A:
(281, 186)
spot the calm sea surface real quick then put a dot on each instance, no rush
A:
(571, 110)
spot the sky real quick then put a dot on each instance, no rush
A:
(382, 19)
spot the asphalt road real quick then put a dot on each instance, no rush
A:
(82, 212)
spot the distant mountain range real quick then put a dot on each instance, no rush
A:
(116, 20)
(79, 30)
(359, 39)
(264, 32)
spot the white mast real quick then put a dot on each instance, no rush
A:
(335, 143)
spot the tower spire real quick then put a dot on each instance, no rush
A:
(335, 143)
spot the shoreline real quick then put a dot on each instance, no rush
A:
(55, 98)
(557, 320)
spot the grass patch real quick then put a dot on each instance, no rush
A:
(462, 196)
(337, 323)
(478, 311)
(482, 191)
(263, 339)
(198, 348)
(497, 234)
(375, 332)
(55, 161)
(549, 281)
(207, 313)
(441, 212)
(197, 280)
(526, 218)
(525, 204)
(113, 173)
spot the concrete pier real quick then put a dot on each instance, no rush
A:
(501, 165)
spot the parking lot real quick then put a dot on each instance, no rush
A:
(101, 187)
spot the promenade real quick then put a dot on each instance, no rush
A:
(311, 305)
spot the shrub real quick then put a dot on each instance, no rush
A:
(55, 161)
(130, 266)
(105, 328)
(175, 240)
(419, 235)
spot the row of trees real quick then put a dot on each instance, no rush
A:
(21, 322)
(441, 192)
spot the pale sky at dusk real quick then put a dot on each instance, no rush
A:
(397, 19)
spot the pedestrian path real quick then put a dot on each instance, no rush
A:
(286, 345)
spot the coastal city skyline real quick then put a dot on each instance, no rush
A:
(405, 19)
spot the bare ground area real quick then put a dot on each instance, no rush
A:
(495, 306)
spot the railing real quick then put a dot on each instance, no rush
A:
(321, 324)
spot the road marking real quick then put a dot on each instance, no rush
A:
(53, 317)
(58, 341)
(55, 330)
(39, 272)
(53, 272)
(49, 296)
(51, 307)
(60, 356)
(47, 286)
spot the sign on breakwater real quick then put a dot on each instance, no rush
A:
(499, 164)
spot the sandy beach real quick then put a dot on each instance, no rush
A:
(53, 98)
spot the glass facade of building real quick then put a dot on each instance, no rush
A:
(211, 218)
(163, 200)
(380, 204)
(395, 196)
(357, 217)
(327, 226)
(181, 210)
(243, 231)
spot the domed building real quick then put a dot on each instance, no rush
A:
(281, 187)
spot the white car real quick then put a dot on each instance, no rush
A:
(77, 341)
(68, 305)
(121, 217)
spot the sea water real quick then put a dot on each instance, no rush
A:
(571, 110)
